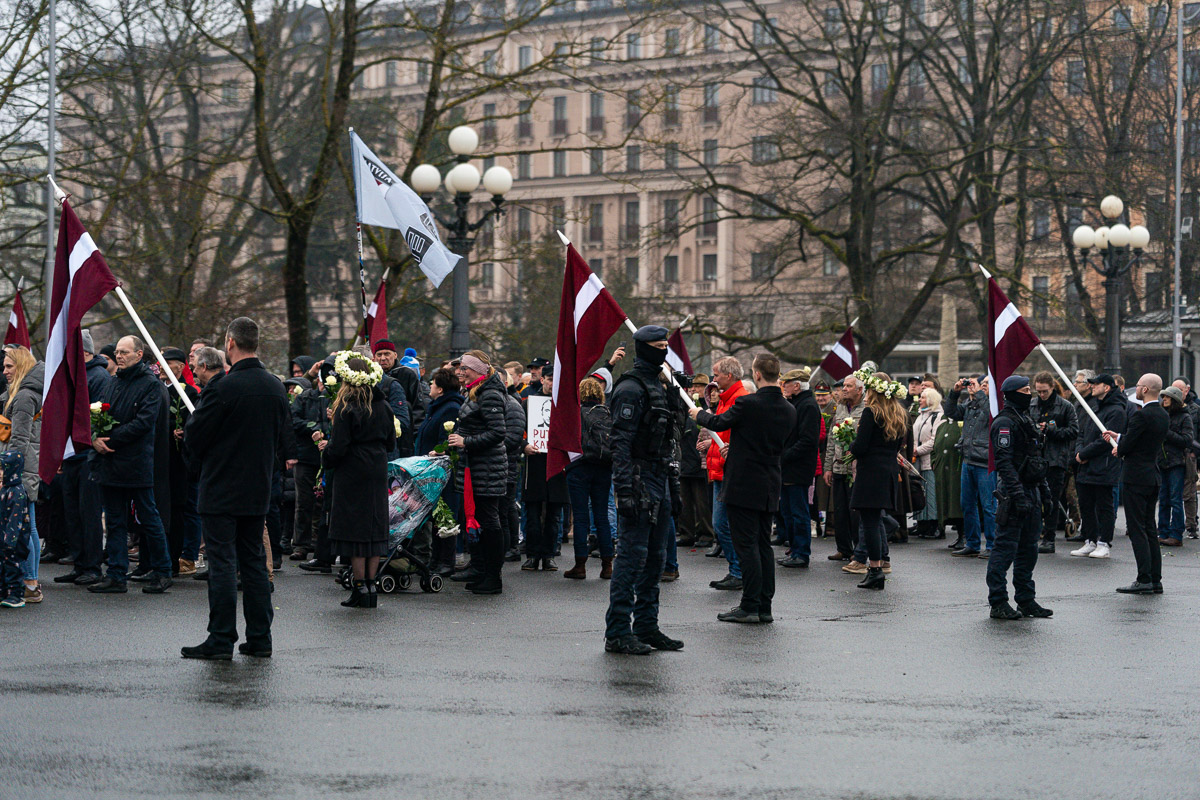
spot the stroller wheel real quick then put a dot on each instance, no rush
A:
(346, 579)
(405, 581)
(387, 583)
(434, 583)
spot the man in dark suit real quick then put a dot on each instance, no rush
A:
(799, 464)
(1138, 449)
(234, 440)
(761, 423)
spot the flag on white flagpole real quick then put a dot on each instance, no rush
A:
(677, 354)
(18, 328)
(843, 358)
(1010, 341)
(386, 201)
(377, 328)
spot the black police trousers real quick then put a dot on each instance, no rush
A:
(1015, 546)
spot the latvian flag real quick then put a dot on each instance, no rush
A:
(81, 278)
(18, 329)
(587, 318)
(377, 330)
(677, 354)
(1010, 341)
(842, 359)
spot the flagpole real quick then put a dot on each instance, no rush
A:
(154, 349)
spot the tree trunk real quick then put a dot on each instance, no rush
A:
(948, 342)
(295, 286)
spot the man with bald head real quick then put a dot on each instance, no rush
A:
(1189, 460)
(1138, 449)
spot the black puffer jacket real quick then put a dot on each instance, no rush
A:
(481, 423)
(514, 435)
(1101, 467)
(1061, 436)
(1179, 438)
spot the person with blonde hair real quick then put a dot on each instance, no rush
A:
(880, 435)
(930, 417)
(22, 404)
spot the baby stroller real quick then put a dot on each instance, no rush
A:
(416, 483)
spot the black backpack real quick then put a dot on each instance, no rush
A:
(597, 427)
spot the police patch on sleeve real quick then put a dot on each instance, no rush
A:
(1005, 438)
(626, 412)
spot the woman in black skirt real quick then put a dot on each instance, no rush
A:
(363, 434)
(881, 432)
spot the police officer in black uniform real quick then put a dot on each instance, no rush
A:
(643, 445)
(1021, 473)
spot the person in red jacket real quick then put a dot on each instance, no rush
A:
(727, 372)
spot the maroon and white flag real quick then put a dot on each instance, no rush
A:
(81, 279)
(843, 358)
(587, 319)
(377, 329)
(18, 329)
(677, 354)
(1010, 341)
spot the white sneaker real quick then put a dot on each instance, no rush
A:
(1102, 550)
(1087, 549)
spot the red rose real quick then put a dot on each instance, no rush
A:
(105, 406)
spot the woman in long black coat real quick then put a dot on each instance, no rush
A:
(356, 456)
(881, 433)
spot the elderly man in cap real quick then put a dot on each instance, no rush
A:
(535, 377)
(1021, 473)
(799, 466)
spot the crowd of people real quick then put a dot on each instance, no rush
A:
(295, 467)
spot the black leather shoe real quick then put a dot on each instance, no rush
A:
(627, 645)
(765, 617)
(513, 555)
(1158, 588)
(1045, 547)
(201, 575)
(966, 552)
(468, 575)
(358, 596)
(157, 585)
(728, 583)
(875, 579)
(548, 565)
(486, 586)
(660, 641)
(1032, 609)
(530, 565)
(319, 567)
(207, 651)
(793, 561)
(959, 543)
(739, 614)
(88, 579)
(142, 576)
(108, 586)
(714, 552)
(70, 577)
(1137, 588)
(255, 650)
(1004, 611)
(778, 541)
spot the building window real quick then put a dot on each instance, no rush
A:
(392, 73)
(596, 112)
(558, 125)
(1158, 16)
(762, 265)
(671, 42)
(1191, 70)
(712, 102)
(487, 235)
(633, 46)
(831, 87)
(632, 228)
(633, 109)
(708, 218)
(765, 90)
(833, 21)
(560, 164)
(671, 218)
(879, 78)
(596, 222)
(829, 264)
(762, 325)
(671, 106)
(709, 267)
(487, 275)
(596, 161)
(633, 158)
(1155, 291)
(671, 269)
(1076, 78)
(558, 217)
(631, 270)
(596, 265)
(764, 150)
(712, 156)
(1156, 138)
(916, 82)
(524, 166)
(228, 185)
(524, 224)
(489, 62)
(712, 38)
(917, 9)
(487, 131)
(524, 57)
(229, 92)
(596, 49)
(763, 32)
(1041, 220)
(1122, 19)
(525, 119)
(1191, 14)
(422, 72)
(1156, 71)
(671, 155)
(1041, 292)
(1120, 75)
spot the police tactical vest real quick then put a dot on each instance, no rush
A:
(654, 440)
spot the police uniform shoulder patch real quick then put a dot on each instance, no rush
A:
(626, 411)
(1004, 438)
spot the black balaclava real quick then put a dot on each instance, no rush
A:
(649, 353)
(1018, 400)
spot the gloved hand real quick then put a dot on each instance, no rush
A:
(627, 506)
(1023, 504)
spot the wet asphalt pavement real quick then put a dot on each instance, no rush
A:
(908, 693)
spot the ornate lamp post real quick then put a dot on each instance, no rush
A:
(1120, 250)
(460, 182)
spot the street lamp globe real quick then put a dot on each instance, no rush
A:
(463, 141)
(1139, 237)
(1102, 237)
(1118, 235)
(1084, 237)
(426, 179)
(1111, 207)
(465, 178)
(497, 181)
(448, 182)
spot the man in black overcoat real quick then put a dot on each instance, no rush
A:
(234, 440)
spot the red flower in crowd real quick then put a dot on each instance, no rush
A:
(105, 406)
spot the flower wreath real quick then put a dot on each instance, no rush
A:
(889, 389)
(341, 366)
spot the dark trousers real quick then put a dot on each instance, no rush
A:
(307, 506)
(117, 511)
(510, 518)
(81, 506)
(696, 520)
(1056, 478)
(52, 522)
(638, 566)
(1096, 509)
(274, 520)
(233, 544)
(1015, 546)
(543, 528)
(1170, 503)
(321, 549)
(793, 509)
(490, 547)
(1139, 521)
(589, 486)
(751, 533)
(845, 521)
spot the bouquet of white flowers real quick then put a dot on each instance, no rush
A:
(843, 433)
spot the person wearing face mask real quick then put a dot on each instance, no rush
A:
(1021, 473)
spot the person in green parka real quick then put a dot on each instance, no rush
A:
(947, 468)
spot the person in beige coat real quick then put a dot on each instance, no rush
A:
(930, 417)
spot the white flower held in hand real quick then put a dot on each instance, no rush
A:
(448, 427)
(331, 380)
(95, 406)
